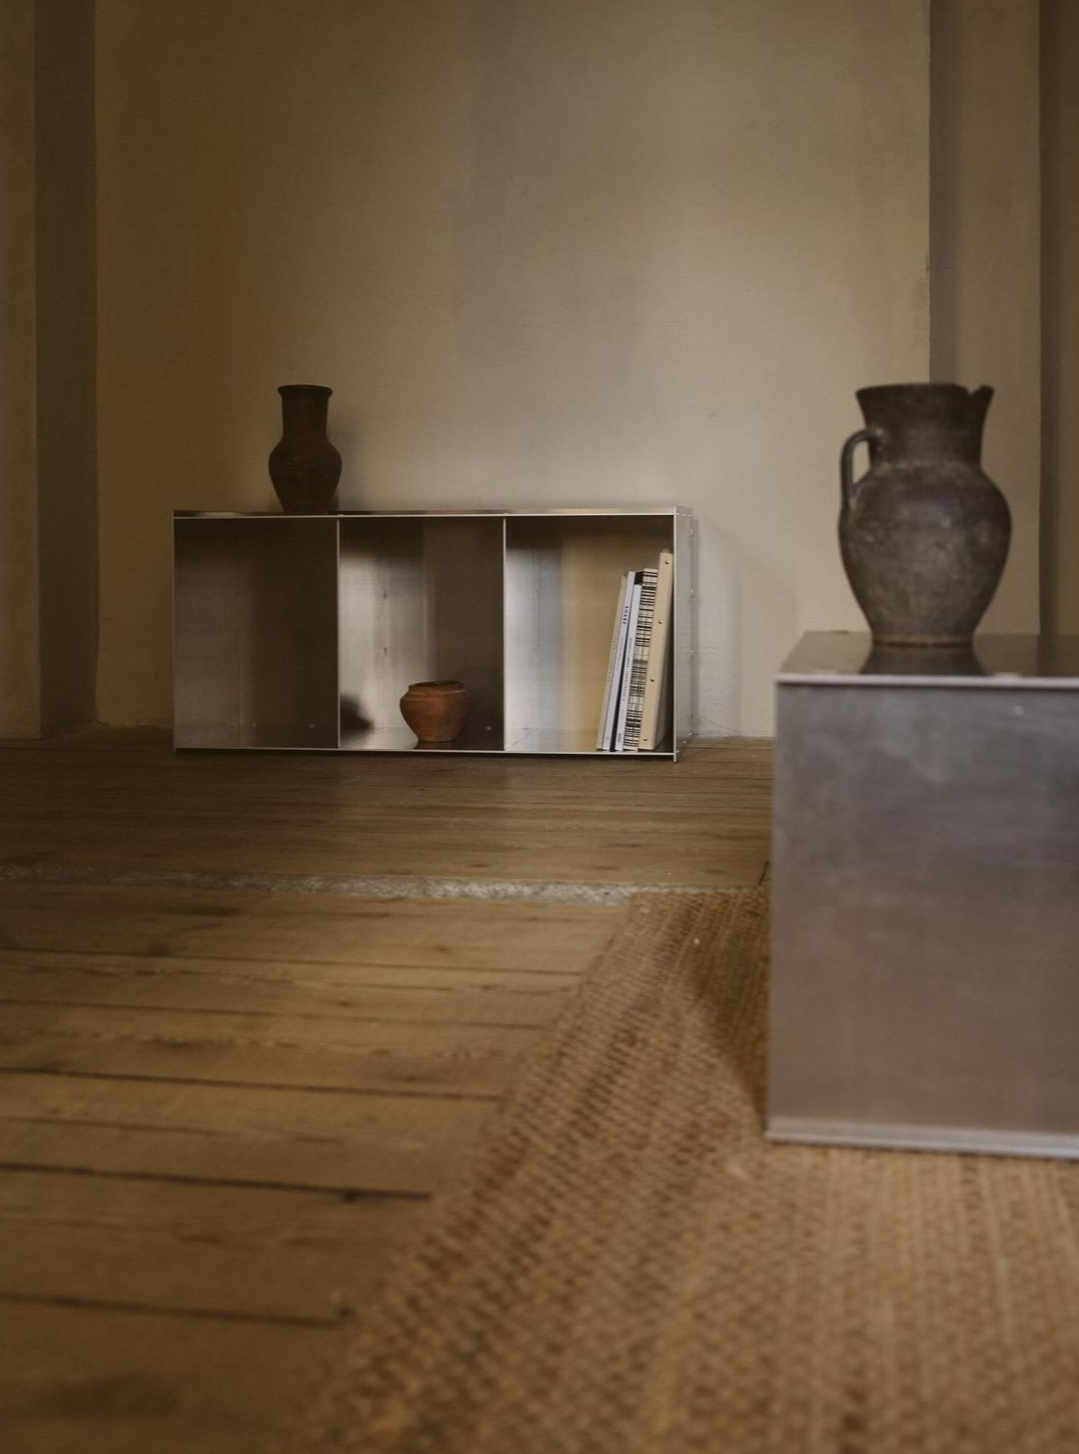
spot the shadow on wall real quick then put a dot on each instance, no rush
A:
(1060, 315)
(752, 607)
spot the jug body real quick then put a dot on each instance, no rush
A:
(924, 534)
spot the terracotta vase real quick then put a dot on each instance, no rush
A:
(304, 465)
(436, 711)
(924, 534)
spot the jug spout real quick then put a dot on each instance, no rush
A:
(979, 404)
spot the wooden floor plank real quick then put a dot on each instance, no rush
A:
(312, 1052)
(104, 1382)
(272, 1137)
(254, 1253)
(383, 993)
(292, 928)
(711, 858)
(702, 821)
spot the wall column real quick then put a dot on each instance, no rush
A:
(1060, 316)
(48, 511)
(66, 371)
(985, 267)
(19, 626)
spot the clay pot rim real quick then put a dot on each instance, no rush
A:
(441, 686)
(924, 388)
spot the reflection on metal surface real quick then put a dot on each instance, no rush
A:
(920, 1138)
(1050, 661)
(925, 878)
(932, 661)
(255, 627)
(561, 589)
(419, 601)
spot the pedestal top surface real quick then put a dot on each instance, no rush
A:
(850, 658)
(467, 511)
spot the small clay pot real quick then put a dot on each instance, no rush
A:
(436, 711)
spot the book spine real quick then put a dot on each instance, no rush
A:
(654, 707)
(614, 664)
(631, 631)
(607, 727)
(639, 665)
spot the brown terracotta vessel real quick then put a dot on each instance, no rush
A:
(304, 465)
(436, 711)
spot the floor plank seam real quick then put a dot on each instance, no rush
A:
(403, 1092)
(157, 1310)
(174, 964)
(366, 886)
(335, 1017)
(347, 1194)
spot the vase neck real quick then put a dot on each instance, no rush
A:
(897, 445)
(925, 421)
(304, 407)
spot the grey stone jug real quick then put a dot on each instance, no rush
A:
(924, 534)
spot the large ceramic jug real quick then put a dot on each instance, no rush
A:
(924, 534)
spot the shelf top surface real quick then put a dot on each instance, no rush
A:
(600, 510)
(849, 658)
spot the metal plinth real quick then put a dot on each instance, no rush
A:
(925, 962)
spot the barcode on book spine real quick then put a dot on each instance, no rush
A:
(638, 673)
(655, 717)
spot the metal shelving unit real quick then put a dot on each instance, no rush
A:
(302, 632)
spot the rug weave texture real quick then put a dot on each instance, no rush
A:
(629, 1268)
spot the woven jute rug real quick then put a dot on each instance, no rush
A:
(629, 1268)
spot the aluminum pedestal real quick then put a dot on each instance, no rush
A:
(925, 969)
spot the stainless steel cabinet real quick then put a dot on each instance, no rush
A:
(296, 631)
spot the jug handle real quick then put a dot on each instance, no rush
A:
(847, 483)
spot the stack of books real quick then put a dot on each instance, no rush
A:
(634, 714)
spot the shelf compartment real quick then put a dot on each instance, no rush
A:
(420, 600)
(255, 631)
(567, 742)
(561, 592)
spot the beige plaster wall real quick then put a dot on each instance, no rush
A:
(545, 253)
(1060, 315)
(986, 264)
(19, 676)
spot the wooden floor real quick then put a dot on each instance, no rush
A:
(238, 1052)
(116, 800)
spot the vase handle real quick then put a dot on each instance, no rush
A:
(847, 482)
